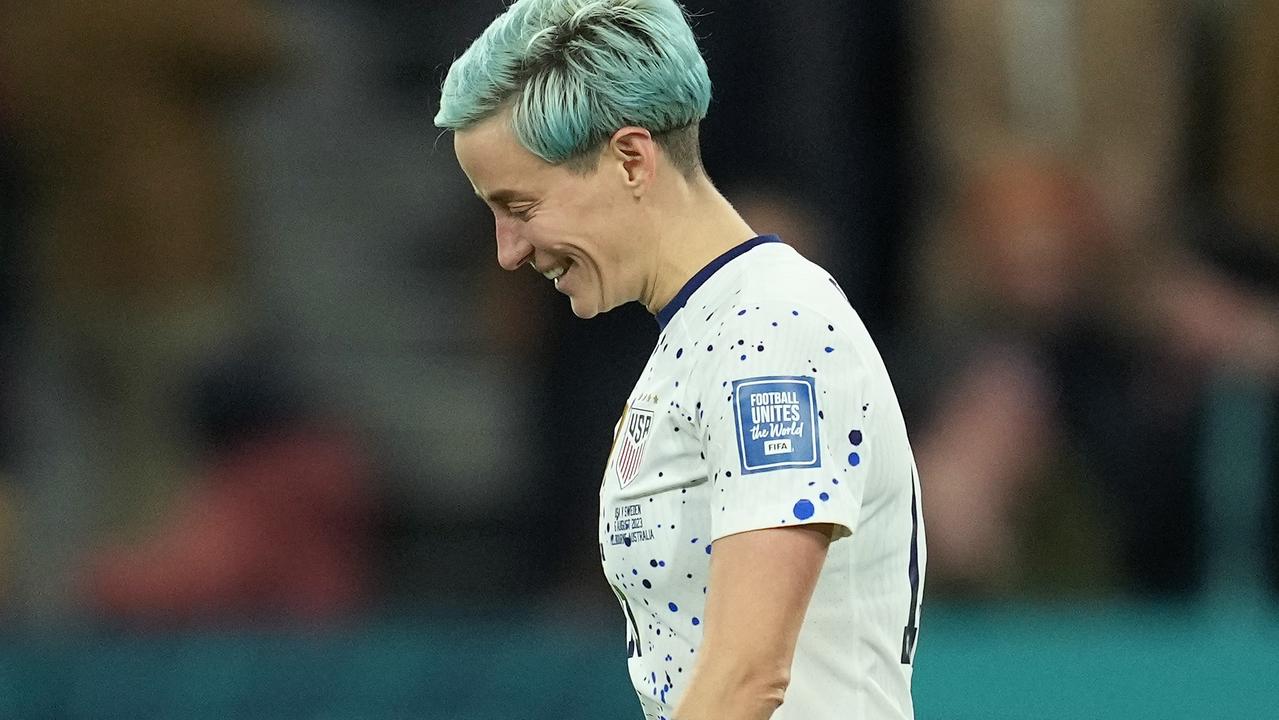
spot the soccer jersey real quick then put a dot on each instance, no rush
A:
(765, 404)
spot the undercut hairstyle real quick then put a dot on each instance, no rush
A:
(573, 72)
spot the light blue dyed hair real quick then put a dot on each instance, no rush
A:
(575, 71)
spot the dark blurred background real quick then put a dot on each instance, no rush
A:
(279, 439)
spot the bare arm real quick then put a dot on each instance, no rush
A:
(760, 585)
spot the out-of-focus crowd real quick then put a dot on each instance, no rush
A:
(258, 364)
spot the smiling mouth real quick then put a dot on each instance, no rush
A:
(554, 274)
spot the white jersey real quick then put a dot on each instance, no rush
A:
(765, 404)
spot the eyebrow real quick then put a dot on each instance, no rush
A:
(499, 196)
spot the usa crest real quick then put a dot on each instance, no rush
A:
(637, 427)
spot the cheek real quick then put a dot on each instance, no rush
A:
(603, 229)
(587, 226)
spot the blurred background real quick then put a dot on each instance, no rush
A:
(278, 438)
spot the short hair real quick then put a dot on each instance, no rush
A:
(575, 71)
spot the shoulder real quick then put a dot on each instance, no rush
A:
(778, 273)
(774, 293)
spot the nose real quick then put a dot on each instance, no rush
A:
(512, 249)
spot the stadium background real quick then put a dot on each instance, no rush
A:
(280, 440)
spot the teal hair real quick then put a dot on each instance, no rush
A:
(575, 71)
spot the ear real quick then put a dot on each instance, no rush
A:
(635, 151)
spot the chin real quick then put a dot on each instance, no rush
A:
(584, 310)
(587, 305)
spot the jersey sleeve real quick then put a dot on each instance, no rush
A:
(779, 388)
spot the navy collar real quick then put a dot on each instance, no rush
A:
(665, 314)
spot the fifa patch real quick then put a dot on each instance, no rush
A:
(637, 427)
(776, 421)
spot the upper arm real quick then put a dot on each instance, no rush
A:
(760, 585)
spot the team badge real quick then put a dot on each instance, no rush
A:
(776, 423)
(637, 426)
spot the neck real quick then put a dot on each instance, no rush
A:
(697, 225)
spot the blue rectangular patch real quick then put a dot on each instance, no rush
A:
(776, 423)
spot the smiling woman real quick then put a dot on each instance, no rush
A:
(576, 123)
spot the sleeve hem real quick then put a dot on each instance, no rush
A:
(842, 529)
